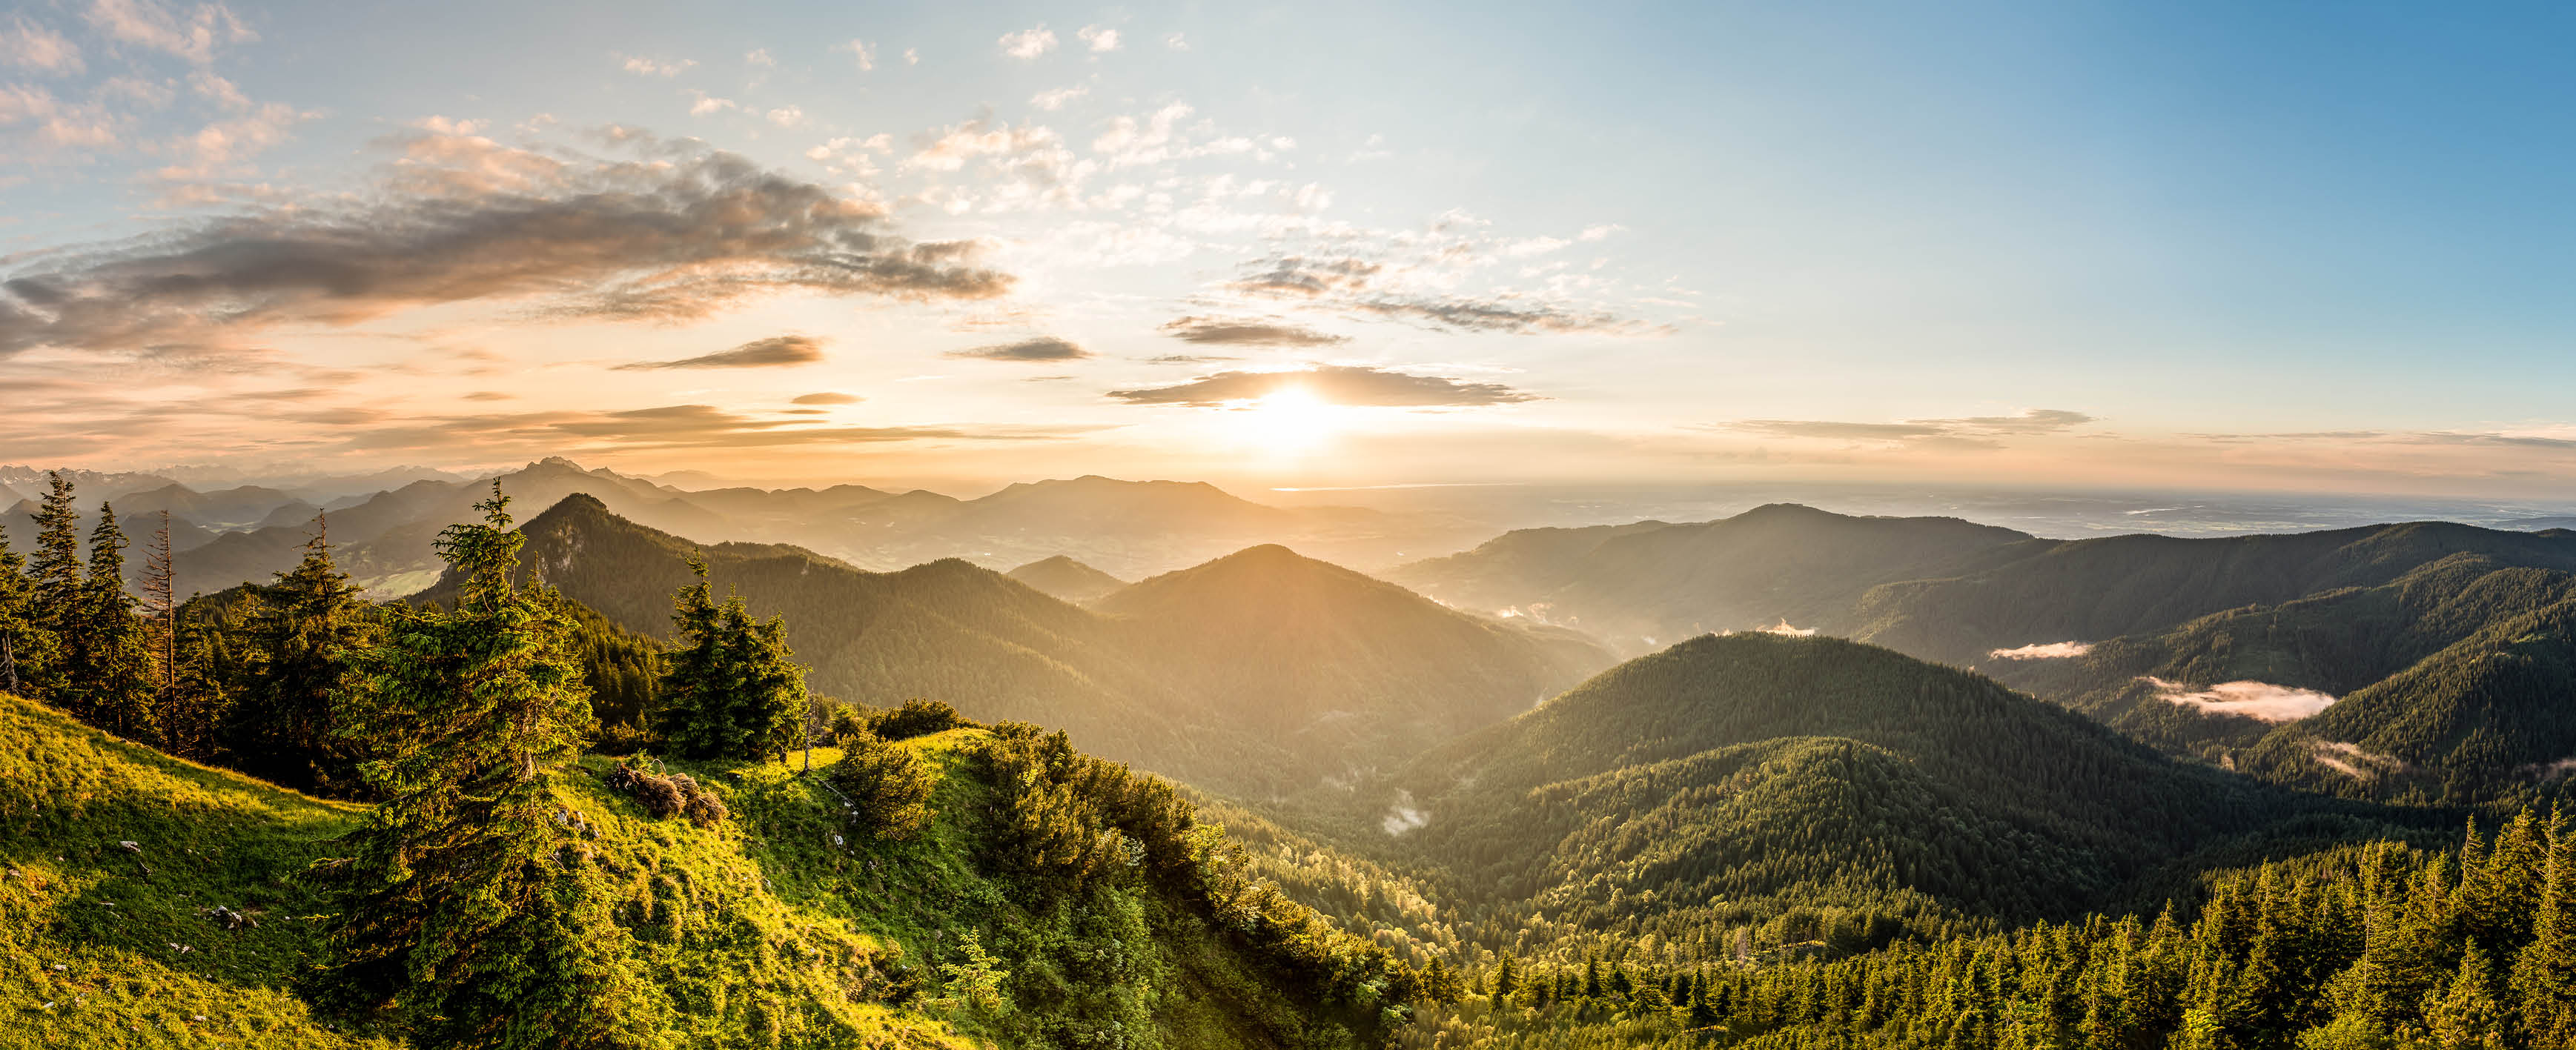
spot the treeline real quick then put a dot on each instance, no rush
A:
(2380, 945)
(264, 678)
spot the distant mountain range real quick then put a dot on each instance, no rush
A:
(1260, 673)
(1127, 528)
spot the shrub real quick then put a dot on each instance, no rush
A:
(916, 717)
(889, 785)
(661, 796)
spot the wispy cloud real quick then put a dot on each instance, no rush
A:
(774, 352)
(191, 33)
(1339, 384)
(1100, 38)
(1969, 432)
(829, 397)
(648, 67)
(29, 45)
(1246, 331)
(2043, 651)
(1040, 348)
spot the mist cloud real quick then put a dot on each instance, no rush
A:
(2044, 651)
(2260, 701)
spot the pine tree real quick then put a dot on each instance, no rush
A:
(465, 919)
(2544, 975)
(111, 674)
(1507, 978)
(731, 688)
(304, 630)
(18, 645)
(55, 585)
(2466, 1016)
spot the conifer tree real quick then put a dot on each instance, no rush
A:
(2465, 1015)
(731, 688)
(305, 628)
(110, 672)
(55, 585)
(19, 648)
(2544, 976)
(1507, 978)
(161, 606)
(465, 920)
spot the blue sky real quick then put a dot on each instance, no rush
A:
(2266, 246)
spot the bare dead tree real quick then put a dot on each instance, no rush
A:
(160, 603)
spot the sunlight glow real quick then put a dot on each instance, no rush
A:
(1289, 421)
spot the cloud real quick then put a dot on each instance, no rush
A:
(1359, 286)
(1599, 232)
(664, 427)
(786, 116)
(759, 56)
(1100, 39)
(2043, 651)
(1403, 816)
(865, 52)
(829, 397)
(193, 35)
(646, 67)
(1041, 348)
(1176, 41)
(2260, 701)
(677, 237)
(1970, 432)
(2350, 760)
(1234, 331)
(1187, 359)
(1056, 99)
(1339, 384)
(774, 352)
(27, 45)
(1028, 43)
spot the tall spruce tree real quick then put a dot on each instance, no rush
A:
(111, 674)
(731, 688)
(18, 644)
(2544, 976)
(465, 920)
(55, 586)
(304, 631)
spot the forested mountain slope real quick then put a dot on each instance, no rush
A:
(1727, 776)
(1651, 583)
(1254, 681)
(2089, 590)
(149, 902)
(1344, 668)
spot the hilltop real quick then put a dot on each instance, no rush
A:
(782, 922)
(1067, 579)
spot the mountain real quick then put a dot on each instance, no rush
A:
(1726, 776)
(1336, 665)
(1067, 579)
(247, 506)
(1647, 583)
(1354, 672)
(2285, 661)
(2044, 591)
(169, 903)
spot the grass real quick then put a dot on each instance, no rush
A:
(782, 926)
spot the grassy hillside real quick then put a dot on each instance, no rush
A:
(784, 924)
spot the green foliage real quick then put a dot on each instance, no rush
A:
(917, 717)
(887, 787)
(462, 921)
(300, 637)
(730, 687)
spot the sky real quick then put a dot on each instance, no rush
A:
(2292, 246)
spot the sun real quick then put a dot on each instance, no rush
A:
(1288, 421)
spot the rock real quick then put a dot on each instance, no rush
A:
(130, 846)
